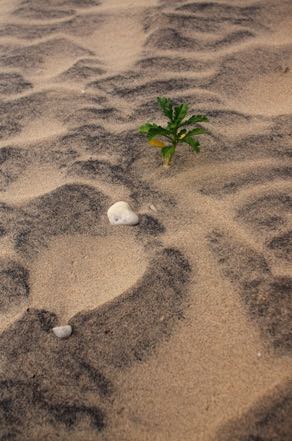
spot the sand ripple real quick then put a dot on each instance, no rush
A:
(181, 325)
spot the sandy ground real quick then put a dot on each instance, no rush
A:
(182, 324)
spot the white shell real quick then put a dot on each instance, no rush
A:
(121, 214)
(62, 331)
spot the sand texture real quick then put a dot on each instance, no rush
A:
(181, 324)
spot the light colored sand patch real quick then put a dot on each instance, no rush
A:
(15, 312)
(267, 95)
(119, 40)
(80, 273)
(122, 45)
(34, 181)
(37, 130)
(51, 67)
(7, 7)
(114, 5)
(244, 128)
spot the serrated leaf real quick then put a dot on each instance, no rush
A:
(180, 112)
(197, 131)
(158, 130)
(195, 119)
(144, 128)
(194, 143)
(166, 106)
(171, 126)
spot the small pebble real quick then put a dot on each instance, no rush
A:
(152, 207)
(62, 331)
(121, 213)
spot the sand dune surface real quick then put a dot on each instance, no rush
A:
(182, 323)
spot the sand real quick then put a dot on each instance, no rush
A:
(182, 324)
(80, 267)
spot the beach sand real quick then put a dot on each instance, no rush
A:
(181, 324)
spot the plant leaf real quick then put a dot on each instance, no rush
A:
(180, 112)
(195, 119)
(146, 127)
(194, 143)
(157, 143)
(197, 131)
(158, 130)
(166, 106)
(171, 126)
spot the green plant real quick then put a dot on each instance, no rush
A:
(175, 132)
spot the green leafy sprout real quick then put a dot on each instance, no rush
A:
(175, 132)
